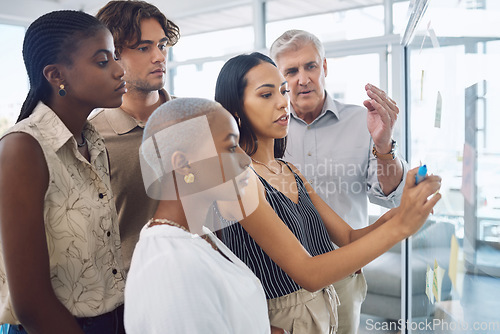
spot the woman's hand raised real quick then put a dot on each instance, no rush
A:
(417, 201)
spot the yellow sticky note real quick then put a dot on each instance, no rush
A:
(437, 281)
(452, 268)
(428, 284)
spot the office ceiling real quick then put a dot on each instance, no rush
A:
(192, 16)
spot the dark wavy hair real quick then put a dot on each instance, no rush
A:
(123, 18)
(229, 89)
(50, 39)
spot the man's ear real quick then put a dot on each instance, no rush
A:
(180, 163)
(53, 75)
(325, 66)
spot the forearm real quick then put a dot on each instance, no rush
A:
(328, 268)
(356, 234)
(389, 174)
(46, 315)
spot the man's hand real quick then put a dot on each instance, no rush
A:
(382, 115)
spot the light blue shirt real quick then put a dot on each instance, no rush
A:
(334, 154)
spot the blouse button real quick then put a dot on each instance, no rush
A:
(114, 271)
(101, 195)
(108, 234)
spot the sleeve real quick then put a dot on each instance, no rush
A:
(174, 293)
(375, 193)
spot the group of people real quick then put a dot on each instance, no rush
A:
(139, 212)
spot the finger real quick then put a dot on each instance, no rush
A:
(379, 92)
(386, 116)
(429, 205)
(410, 177)
(383, 100)
(428, 187)
(368, 105)
(382, 97)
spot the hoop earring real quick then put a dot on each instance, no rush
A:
(62, 91)
(189, 178)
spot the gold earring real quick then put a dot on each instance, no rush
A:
(238, 120)
(62, 91)
(189, 178)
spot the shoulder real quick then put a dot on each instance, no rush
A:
(22, 159)
(350, 109)
(18, 146)
(293, 168)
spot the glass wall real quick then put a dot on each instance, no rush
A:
(453, 78)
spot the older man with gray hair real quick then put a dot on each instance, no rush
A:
(345, 151)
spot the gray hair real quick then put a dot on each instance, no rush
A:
(292, 40)
(178, 125)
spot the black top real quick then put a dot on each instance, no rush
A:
(302, 219)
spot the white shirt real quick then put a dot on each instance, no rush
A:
(334, 155)
(178, 283)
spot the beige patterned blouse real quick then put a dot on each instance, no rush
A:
(80, 221)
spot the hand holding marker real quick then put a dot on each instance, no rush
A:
(422, 172)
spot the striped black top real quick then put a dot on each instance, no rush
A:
(302, 219)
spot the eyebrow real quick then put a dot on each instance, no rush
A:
(101, 51)
(270, 85)
(265, 85)
(295, 67)
(148, 41)
(228, 137)
(312, 63)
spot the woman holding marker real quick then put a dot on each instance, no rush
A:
(287, 240)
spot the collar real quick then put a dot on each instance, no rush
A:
(328, 106)
(55, 132)
(122, 123)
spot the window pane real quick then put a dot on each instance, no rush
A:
(343, 25)
(197, 81)
(347, 77)
(14, 83)
(400, 16)
(214, 44)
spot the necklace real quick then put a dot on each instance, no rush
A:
(162, 221)
(159, 221)
(84, 141)
(269, 168)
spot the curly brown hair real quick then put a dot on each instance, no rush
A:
(123, 18)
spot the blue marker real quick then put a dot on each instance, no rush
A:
(422, 171)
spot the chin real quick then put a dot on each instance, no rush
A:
(281, 134)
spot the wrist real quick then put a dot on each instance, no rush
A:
(384, 154)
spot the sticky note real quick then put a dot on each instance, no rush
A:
(452, 268)
(437, 281)
(422, 86)
(456, 269)
(428, 284)
(432, 35)
(439, 106)
(468, 171)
